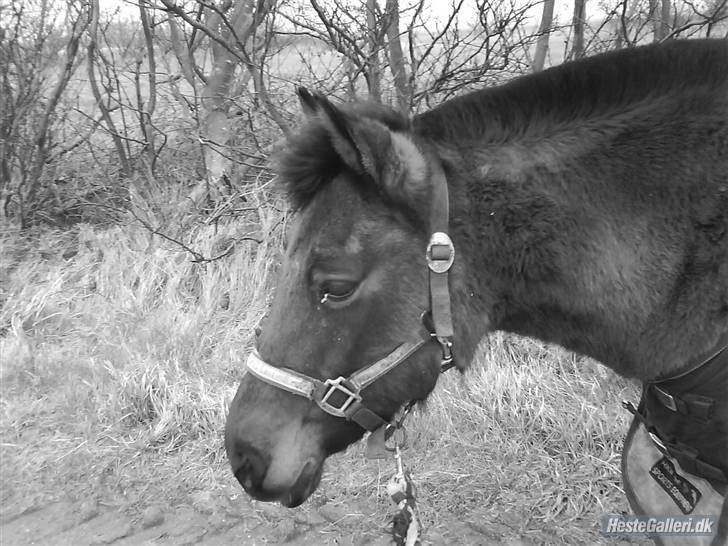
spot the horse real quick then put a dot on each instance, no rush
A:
(585, 205)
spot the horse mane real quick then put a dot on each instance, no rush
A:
(608, 84)
(310, 160)
(588, 88)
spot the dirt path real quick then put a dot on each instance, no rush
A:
(208, 521)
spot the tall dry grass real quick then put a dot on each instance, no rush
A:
(126, 343)
(118, 361)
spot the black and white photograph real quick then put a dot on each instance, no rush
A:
(363, 272)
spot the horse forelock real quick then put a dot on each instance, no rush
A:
(310, 159)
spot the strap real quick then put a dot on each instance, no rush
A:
(283, 378)
(365, 377)
(688, 457)
(440, 304)
(339, 397)
(673, 393)
(364, 417)
(722, 346)
(440, 256)
(690, 405)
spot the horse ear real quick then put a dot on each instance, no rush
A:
(391, 159)
(335, 122)
(408, 170)
(308, 101)
(369, 147)
(340, 129)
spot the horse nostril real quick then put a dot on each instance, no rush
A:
(258, 331)
(249, 466)
(243, 475)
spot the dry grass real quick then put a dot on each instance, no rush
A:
(127, 345)
(117, 366)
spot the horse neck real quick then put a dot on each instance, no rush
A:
(545, 252)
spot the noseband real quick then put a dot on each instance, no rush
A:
(341, 397)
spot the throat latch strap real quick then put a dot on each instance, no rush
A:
(440, 256)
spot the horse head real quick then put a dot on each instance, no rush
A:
(343, 346)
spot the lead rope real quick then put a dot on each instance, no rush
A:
(401, 489)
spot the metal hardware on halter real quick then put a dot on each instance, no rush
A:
(340, 384)
(323, 392)
(395, 428)
(448, 360)
(440, 253)
(440, 256)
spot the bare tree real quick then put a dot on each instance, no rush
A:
(39, 54)
(698, 19)
(427, 61)
(578, 22)
(374, 43)
(146, 109)
(660, 16)
(202, 88)
(397, 62)
(544, 33)
(104, 99)
(231, 29)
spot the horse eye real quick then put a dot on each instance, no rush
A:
(337, 290)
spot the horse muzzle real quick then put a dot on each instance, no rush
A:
(268, 480)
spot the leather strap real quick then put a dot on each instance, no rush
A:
(688, 457)
(707, 359)
(687, 415)
(339, 397)
(440, 257)
(689, 405)
(365, 418)
(366, 376)
(283, 378)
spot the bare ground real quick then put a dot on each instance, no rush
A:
(228, 516)
(232, 521)
(239, 522)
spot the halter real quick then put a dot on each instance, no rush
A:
(341, 397)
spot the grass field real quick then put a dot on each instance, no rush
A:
(119, 356)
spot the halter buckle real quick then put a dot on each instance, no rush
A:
(440, 253)
(343, 386)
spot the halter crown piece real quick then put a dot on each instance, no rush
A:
(341, 397)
